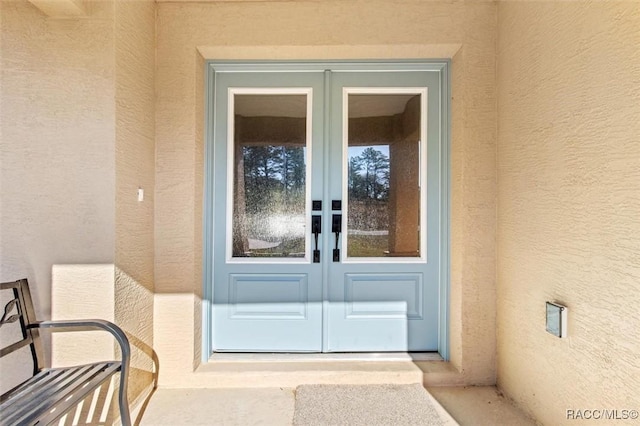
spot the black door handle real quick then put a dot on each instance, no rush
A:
(336, 223)
(336, 227)
(316, 229)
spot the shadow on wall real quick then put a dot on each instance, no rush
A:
(145, 397)
(106, 291)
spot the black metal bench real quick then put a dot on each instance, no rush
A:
(51, 392)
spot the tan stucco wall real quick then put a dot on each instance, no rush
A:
(135, 168)
(189, 32)
(77, 98)
(569, 205)
(58, 154)
(56, 147)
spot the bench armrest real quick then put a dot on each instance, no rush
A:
(91, 325)
(123, 341)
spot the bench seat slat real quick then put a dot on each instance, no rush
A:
(25, 396)
(80, 393)
(35, 398)
(24, 388)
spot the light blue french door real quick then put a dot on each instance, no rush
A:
(267, 291)
(383, 292)
(326, 211)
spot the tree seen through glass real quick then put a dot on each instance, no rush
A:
(274, 200)
(368, 191)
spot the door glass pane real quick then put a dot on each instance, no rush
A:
(383, 175)
(269, 175)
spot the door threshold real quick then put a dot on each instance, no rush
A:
(233, 370)
(320, 357)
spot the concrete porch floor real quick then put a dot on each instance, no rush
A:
(275, 406)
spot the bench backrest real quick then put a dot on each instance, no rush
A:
(20, 310)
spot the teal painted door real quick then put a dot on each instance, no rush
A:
(267, 292)
(383, 293)
(355, 153)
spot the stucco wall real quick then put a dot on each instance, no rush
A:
(78, 130)
(57, 149)
(569, 205)
(58, 152)
(189, 32)
(135, 168)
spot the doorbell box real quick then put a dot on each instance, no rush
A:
(557, 319)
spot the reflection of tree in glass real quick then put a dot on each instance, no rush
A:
(369, 176)
(368, 183)
(274, 199)
(274, 178)
(292, 170)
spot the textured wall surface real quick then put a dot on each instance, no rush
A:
(77, 292)
(78, 128)
(58, 155)
(323, 30)
(569, 205)
(57, 149)
(135, 168)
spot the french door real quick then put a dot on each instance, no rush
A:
(326, 210)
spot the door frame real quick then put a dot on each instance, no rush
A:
(213, 67)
